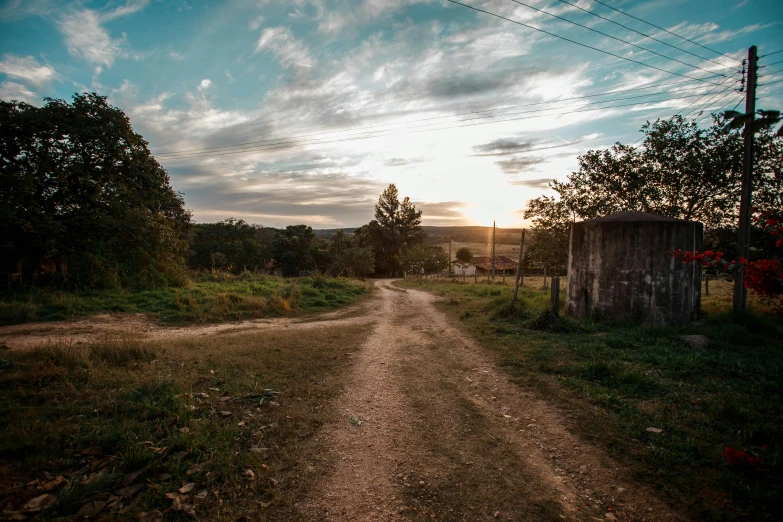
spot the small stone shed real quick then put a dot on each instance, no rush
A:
(619, 270)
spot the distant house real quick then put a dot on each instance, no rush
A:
(482, 265)
(462, 269)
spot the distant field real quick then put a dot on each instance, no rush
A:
(207, 299)
(483, 249)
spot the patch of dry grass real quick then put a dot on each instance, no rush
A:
(121, 426)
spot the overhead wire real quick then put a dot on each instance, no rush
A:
(705, 106)
(770, 54)
(578, 43)
(705, 94)
(721, 107)
(769, 64)
(644, 34)
(393, 132)
(311, 135)
(667, 31)
(612, 37)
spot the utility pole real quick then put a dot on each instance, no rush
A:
(743, 230)
(449, 258)
(519, 267)
(493, 250)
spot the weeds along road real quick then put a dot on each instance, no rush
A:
(429, 428)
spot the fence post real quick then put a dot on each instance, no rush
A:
(554, 283)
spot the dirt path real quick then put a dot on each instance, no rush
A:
(86, 329)
(431, 429)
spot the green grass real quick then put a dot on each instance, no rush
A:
(122, 413)
(207, 299)
(615, 381)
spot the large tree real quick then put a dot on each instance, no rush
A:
(296, 248)
(396, 228)
(79, 186)
(680, 171)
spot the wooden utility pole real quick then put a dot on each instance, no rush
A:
(493, 250)
(449, 258)
(743, 230)
(519, 268)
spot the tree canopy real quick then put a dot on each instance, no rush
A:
(230, 244)
(680, 171)
(79, 186)
(396, 228)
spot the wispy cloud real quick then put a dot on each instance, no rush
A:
(28, 69)
(288, 50)
(87, 39)
(16, 91)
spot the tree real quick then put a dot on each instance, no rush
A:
(464, 255)
(295, 248)
(681, 171)
(354, 261)
(236, 241)
(396, 228)
(79, 186)
(423, 259)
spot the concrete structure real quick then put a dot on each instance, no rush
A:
(463, 269)
(619, 270)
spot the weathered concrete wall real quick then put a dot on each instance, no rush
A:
(618, 269)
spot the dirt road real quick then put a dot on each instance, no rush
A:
(432, 429)
(429, 426)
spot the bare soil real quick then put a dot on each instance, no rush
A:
(143, 327)
(432, 429)
(428, 426)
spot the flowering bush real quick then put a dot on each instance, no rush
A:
(763, 277)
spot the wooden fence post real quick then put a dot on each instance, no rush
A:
(519, 268)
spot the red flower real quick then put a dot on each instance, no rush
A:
(740, 460)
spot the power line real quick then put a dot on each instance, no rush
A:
(579, 43)
(771, 73)
(770, 64)
(770, 54)
(666, 30)
(706, 105)
(645, 35)
(769, 95)
(610, 36)
(176, 153)
(697, 100)
(240, 147)
(711, 113)
(404, 131)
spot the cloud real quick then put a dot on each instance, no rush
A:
(204, 86)
(518, 164)
(505, 146)
(537, 183)
(27, 69)
(288, 50)
(231, 79)
(130, 7)
(86, 39)
(19, 9)
(442, 213)
(16, 91)
(256, 22)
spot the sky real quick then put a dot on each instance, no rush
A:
(303, 111)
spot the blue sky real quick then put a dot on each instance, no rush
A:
(337, 98)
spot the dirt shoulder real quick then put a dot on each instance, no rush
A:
(430, 428)
(143, 327)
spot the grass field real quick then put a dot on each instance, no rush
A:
(483, 249)
(222, 425)
(617, 381)
(208, 298)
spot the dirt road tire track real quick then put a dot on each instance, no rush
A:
(431, 429)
